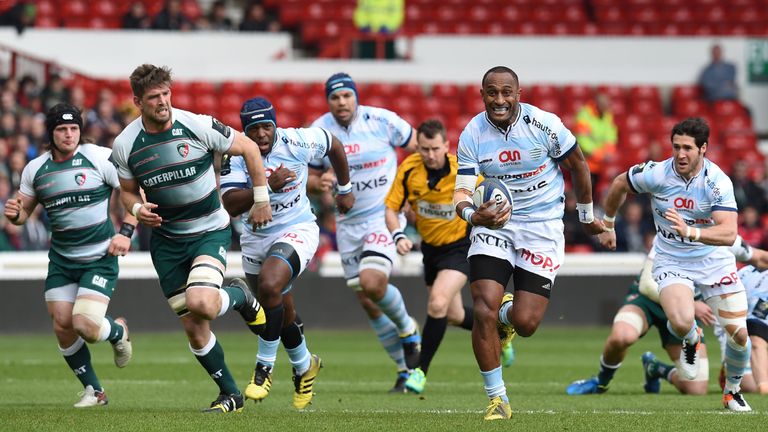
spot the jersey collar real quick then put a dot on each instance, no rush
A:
(506, 131)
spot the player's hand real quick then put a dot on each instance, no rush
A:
(327, 181)
(146, 216)
(404, 245)
(703, 313)
(345, 202)
(491, 216)
(119, 246)
(607, 239)
(595, 227)
(280, 177)
(12, 209)
(678, 224)
(259, 215)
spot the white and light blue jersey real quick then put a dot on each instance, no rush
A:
(293, 148)
(369, 143)
(525, 157)
(756, 284)
(695, 200)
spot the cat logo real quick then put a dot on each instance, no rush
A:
(177, 132)
(183, 149)
(80, 179)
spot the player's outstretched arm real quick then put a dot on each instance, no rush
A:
(18, 209)
(344, 197)
(615, 197)
(582, 183)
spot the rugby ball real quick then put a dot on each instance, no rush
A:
(492, 189)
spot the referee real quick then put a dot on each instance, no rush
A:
(425, 181)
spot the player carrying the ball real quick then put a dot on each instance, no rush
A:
(523, 147)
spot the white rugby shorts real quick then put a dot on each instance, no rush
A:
(303, 237)
(355, 238)
(538, 247)
(713, 275)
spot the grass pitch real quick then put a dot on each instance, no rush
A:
(164, 387)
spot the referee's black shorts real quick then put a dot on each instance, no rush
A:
(452, 256)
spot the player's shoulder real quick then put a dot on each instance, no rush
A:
(714, 172)
(477, 125)
(91, 150)
(37, 162)
(324, 121)
(650, 166)
(538, 120)
(128, 135)
(368, 113)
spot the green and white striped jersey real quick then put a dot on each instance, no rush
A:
(76, 194)
(175, 169)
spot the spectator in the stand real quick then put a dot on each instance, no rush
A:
(54, 92)
(217, 18)
(632, 229)
(136, 17)
(746, 191)
(28, 91)
(718, 78)
(378, 16)
(103, 121)
(7, 125)
(7, 230)
(255, 18)
(750, 228)
(172, 18)
(16, 162)
(38, 136)
(17, 13)
(77, 97)
(596, 133)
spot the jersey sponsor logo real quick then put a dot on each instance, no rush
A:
(683, 203)
(278, 206)
(524, 175)
(670, 274)
(530, 188)
(177, 132)
(302, 144)
(490, 240)
(351, 148)
(78, 162)
(183, 149)
(80, 178)
(641, 167)
(544, 128)
(436, 211)
(170, 176)
(672, 236)
(539, 260)
(222, 252)
(506, 156)
(145, 160)
(220, 127)
(368, 165)
(370, 184)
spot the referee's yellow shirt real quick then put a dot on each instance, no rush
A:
(430, 194)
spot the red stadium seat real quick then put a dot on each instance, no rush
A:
(240, 89)
(383, 89)
(202, 87)
(689, 108)
(447, 91)
(411, 90)
(577, 91)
